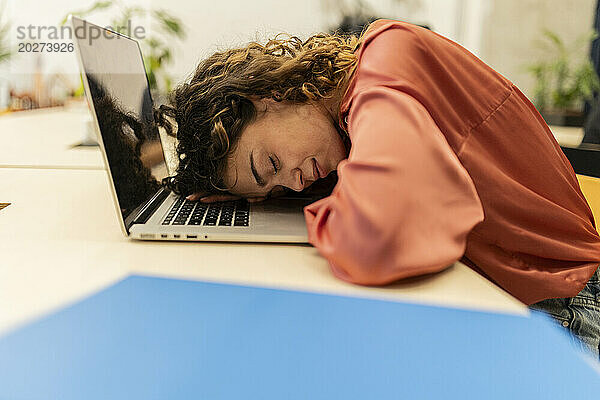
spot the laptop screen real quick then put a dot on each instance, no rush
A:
(119, 90)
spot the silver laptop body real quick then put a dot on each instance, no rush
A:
(118, 93)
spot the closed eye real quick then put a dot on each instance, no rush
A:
(274, 165)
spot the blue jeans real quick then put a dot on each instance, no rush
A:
(580, 314)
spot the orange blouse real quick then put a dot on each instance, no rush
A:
(449, 160)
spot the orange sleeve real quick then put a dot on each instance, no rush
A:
(403, 204)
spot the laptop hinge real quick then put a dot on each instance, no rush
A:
(151, 206)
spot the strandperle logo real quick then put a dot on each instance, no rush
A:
(85, 31)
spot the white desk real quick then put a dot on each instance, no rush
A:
(45, 138)
(60, 241)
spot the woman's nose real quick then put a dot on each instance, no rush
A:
(295, 180)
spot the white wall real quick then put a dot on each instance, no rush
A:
(214, 25)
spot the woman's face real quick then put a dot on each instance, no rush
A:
(289, 145)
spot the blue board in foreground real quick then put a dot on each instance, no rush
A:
(154, 338)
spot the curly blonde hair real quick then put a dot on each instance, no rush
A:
(214, 107)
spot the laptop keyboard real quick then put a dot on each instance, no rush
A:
(228, 213)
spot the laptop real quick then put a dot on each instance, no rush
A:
(118, 94)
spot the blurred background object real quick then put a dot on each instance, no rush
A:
(5, 51)
(564, 80)
(592, 123)
(355, 15)
(5, 54)
(156, 48)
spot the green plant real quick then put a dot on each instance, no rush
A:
(5, 52)
(157, 54)
(562, 82)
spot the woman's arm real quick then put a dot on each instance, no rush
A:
(403, 204)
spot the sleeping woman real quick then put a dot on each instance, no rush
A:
(438, 158)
